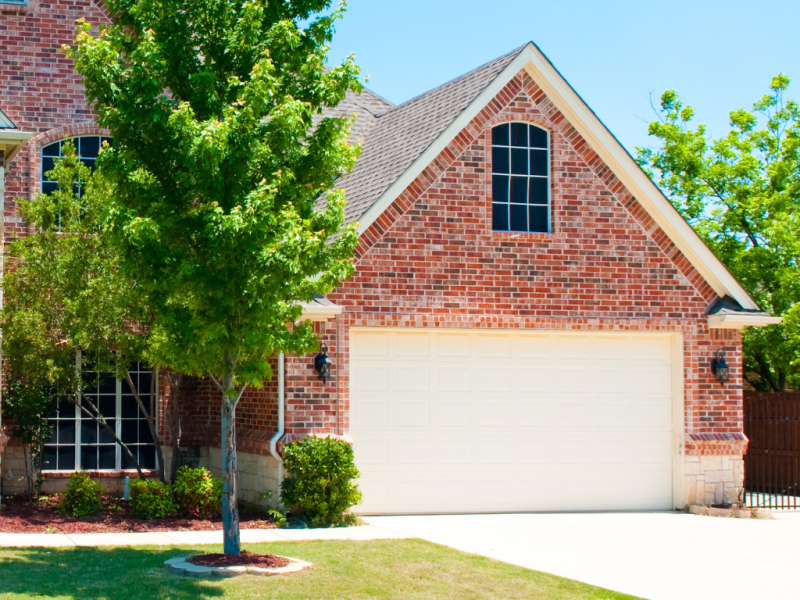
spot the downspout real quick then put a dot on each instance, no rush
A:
(273, 443)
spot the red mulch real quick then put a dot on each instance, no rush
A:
(245, 559)
(21, 515)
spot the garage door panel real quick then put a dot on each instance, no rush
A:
(511, 421)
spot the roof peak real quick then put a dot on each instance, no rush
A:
(5, 122)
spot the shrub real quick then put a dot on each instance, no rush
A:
(151, 499)
(322, 485)
(198, 493)
(82, 497)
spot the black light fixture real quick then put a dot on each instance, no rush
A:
(322, 364)
(720, 368)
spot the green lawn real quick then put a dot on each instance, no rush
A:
(397, 569)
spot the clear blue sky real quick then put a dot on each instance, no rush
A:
(717, 54)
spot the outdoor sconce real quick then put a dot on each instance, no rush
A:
(720, 368)
(322, 364)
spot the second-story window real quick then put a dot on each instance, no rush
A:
(87, 148)
(520, 178)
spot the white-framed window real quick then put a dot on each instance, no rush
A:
(79, 443)
(520, 178)
(86, 147)
(18, 2)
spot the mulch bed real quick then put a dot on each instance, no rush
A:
(245, 559)
(21, 515)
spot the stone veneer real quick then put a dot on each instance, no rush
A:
(710, 479)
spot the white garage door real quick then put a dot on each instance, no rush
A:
(511, 421)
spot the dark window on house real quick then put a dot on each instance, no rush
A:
(19, 2)
(78, 443)
(87, 149)
(520, 178)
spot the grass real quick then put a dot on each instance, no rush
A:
(396, 569)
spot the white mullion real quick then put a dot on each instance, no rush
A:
(118, 425)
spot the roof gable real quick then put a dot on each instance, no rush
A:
(400, 148)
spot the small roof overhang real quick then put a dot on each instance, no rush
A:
(320, 309)
(726, 313)
(11, 142)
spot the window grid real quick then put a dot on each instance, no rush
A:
(89, 446)
(87, 148)
(520, 178)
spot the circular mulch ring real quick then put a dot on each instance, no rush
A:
(245, 559)
(245, 563)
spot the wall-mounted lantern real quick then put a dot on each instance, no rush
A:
(720, 368)
(322, 364)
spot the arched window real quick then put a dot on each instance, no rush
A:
(520, 178)
(87, 149)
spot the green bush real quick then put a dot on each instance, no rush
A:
(198, 493)
(322, 484)
(82, 497)
(151, 499)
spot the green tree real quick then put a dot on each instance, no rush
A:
(223, 166)
(741, 193)
(66, 302)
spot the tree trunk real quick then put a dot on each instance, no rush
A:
(230, 511)
(150, 417)
(175, 421)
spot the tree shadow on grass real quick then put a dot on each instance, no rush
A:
(135, 573)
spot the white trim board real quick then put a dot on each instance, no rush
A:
(580, 116)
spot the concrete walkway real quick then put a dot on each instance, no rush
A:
(172, 538)
(660, 556)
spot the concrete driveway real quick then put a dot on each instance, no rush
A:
(651, 555)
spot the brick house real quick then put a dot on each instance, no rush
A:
(530, 326)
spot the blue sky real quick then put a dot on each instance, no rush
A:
(718, 55)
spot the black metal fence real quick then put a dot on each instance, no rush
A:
(772, 462)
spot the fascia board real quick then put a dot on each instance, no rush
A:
(607, 147)
(13, 141)
(741, 320)
(634, 179)
(320, 312)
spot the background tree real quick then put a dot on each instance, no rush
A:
(741, 193)
(220, 160)
(66, 302)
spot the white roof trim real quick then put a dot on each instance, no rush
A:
(313, 311)
(11, 142)
(607, 147)
(741, 320)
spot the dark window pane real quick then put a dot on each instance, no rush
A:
(108, 384)
(49, 188)
(108, 406)
(66, 409)
(52, 149)
(89, 147)
(538, 218)
(519, 217)
(130, 431)
(88, 431)
(49, 458)
(538, 191)
(500, 135)
(108, 457)
(538, 137)
(500, 160)
(147, 457)
(109, 140)
(66, 432)
(519, 190)
(127, 463)
(105, 436)
(48, 164)
(144, 433)
(500, 217)
(130, 410)
(499, 188)
(519, 161)
(538, 162)
(519, 135)
(54, 431)
(89, 458)
(144, 383)
(66, 458)
(89, 162)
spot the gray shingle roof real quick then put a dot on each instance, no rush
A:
(395, 136)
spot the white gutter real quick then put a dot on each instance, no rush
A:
(273, 443)
(741, 320)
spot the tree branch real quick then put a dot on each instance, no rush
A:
(148, 415)
(214, 379)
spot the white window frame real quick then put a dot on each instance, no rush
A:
(548, 176)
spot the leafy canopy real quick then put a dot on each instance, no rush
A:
(220, 159)
(741, 193)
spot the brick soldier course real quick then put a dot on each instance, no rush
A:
(428, 256)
